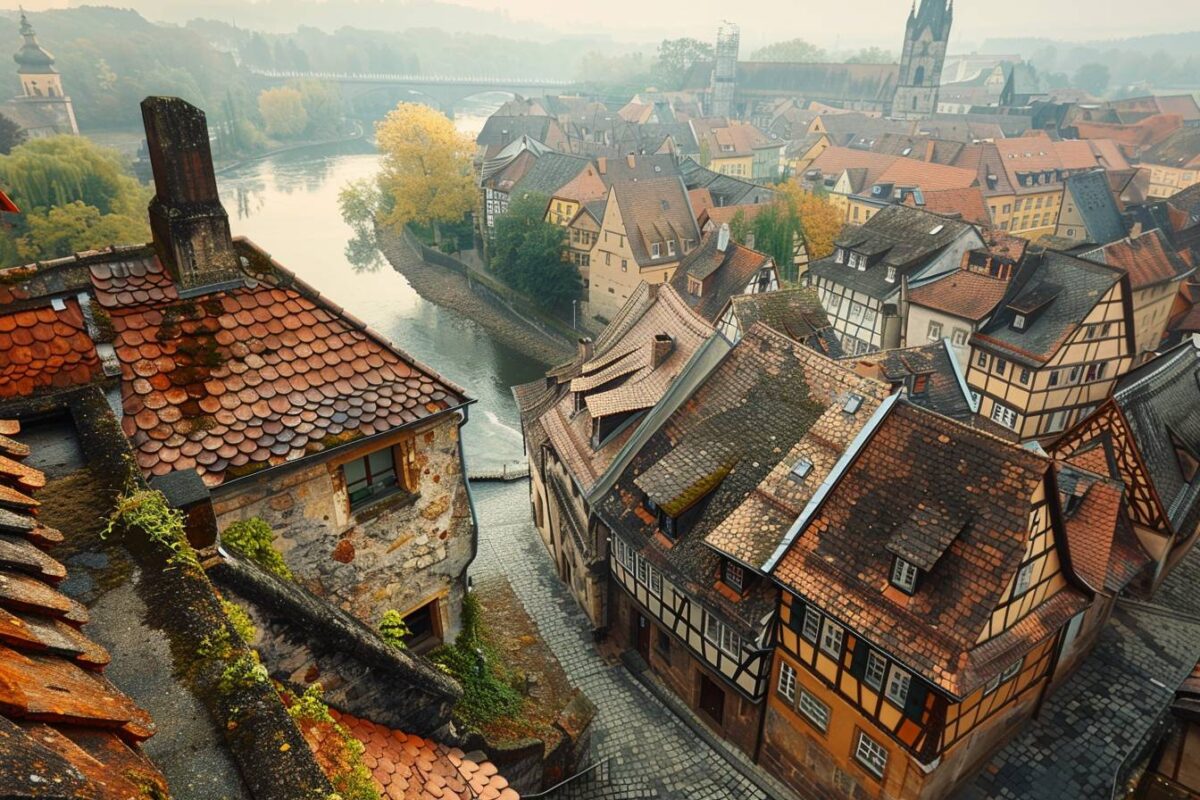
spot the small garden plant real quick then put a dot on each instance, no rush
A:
(393, 629)
(489, 692)
(253, 540)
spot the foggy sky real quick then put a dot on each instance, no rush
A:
(832, 25)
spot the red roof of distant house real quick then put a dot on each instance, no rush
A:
(964, 294)
(1147, 258)
(8, 206)
(966, 203)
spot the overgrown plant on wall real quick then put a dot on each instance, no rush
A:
(340, 754)
(147, 511)
(253, 540)
(489, 691)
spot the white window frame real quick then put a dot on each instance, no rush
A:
(1019, 322)
(655, 250)
(813, 709)
(898, 685)
(656, 586)
(810, 628)
(643, 570)
(1003, 415)
(1013, 671)
(876, 669)
(719, 634)
(891, 275)
(870, 754)
(935, 331)
(1023, 580)
(833, 636)
(959, 337)
(787, 682)
(670, 247)
(904, 574)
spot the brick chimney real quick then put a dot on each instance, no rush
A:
(663, 347)
(190, 226)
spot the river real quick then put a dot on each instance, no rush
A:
(288, 205)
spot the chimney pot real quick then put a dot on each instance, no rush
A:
(188, 222)
(663, 346)
(585, 349)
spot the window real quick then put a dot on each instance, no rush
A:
(643, 570)
(608, 259)
(897, 688)
(904, 575)
(935, 331)
(624, 265)
(981, 360)
(801, 469)
(1024, 577)
(814, 710)
(370, 477)
(1012, 671)
(871, 754)
(1004, 416)
(735, 576)
(1025, 376)
(831, 638)
(1000, 367)
(868, 315)
(787, 682)
(891, 275)
(1073, 376)
(656, 581)
(856, 312)
(1019, 322)
(835, 303)
(876, 667)
(992, 685)
(853, 404)
(839, 256)
(1089, 332)
(1055, 377)
(720, 635)
(1057, 421)
(812, 624)
(655, 250)
(1096, 370)
(670, 247)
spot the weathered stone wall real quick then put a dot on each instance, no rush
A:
(399, 553)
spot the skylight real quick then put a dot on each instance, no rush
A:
(853, 404)
(801, 468)
(937, 229)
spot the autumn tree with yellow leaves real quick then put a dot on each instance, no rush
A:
(820, 221)
(426, 177)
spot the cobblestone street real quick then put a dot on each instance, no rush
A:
(654, 754)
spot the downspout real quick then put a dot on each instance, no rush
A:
(462, 459)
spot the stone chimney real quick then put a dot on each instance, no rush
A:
(723, 238)
(586, 349)
(663, 345)
(190, 226)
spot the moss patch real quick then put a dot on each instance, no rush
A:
(253, 540)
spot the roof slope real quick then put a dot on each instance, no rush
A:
(1148, 258)
(796, 313)
(965, 294)
(923, 477)
(551, 172)
(1105, 552)
(43, 347)
(930, 374)
(66, 731)
(656, 211)
(1095, 203)
(249, 376)
(722, 274)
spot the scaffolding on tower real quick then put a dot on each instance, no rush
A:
(725, 70)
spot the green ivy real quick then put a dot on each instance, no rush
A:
(252, 539)
(353, 781)
(393, 629)
(242, 673)
(488, 689)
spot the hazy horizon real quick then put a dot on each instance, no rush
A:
(866, 23)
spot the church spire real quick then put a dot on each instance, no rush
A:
(32, 58)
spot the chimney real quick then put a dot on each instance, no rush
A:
(602, 164)
(189, 224)
(723, 238)
(631, 160)
(663, 345)
(585, 349)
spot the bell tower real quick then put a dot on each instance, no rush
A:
(42, 105)
(926, 37)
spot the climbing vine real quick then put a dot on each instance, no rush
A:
(393, 629)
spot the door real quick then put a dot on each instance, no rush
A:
(642, 636)
(712, 699)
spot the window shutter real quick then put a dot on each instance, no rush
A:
(858, 662)
(914, 704)
(796, 621)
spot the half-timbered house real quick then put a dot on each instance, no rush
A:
(1147, 435)
(1055, 346)
(719, 269)
(581, 416)
(923, 606)
(863, 283)
(698, 613)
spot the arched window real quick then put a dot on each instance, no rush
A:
(919, 76)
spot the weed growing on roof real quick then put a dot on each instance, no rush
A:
(393, 629)
(148, 511)
(489, 692)
(240, 620)
(243, 672)
(343, 754)
(252, 539)
(218, 644)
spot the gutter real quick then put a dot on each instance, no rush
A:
(827, 486)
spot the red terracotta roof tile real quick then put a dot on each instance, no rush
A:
(1148, 259)
(44, 348)
(964, 294)
(253, 376)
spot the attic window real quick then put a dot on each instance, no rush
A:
(1019, 322)
(937, 229)
(670, 247)
(665, 204)
(906, 151)
(655, 250)
(891, 275)
(904, 575)
(839, 257)
(801, 469)
(853, 404)
(695, 286)
(920, 384)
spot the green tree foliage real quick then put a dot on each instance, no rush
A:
(323, 104)
(283, 113)
(872, 55)
(676, 57)
(253, 540)
(528, 255)
(11, 135)
(1092, 78)
(63, 230)
(792, 50)
(488, 686)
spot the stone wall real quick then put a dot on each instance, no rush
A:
(400, 552)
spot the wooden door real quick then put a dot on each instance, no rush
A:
(712, 699)
(641, 634)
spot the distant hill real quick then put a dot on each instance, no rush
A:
(1163, 60)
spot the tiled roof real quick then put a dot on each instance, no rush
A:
(1133, 137)
(722, 274)
(728, 139)
(499, 130)
(901, 237)
(966, 204)
(767, 394)
(862, 131)
(407, 767)
(909, 172)
(1103, 549)
(550, 173)
(1148, 258)
(66, 731)
(1094, 202)
(1074, 287)
(1158, 399)
(1180, 150)
(252, 375)
(725, 190)
(656, 210)
(921, 476)
(965, 294)
(833, 161)
(44, 348)
(649, 313)
(796, 313)
(637, 168)
(928, 371)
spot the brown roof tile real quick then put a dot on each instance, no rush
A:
(45, 348)
(1148, 258)
(965, 294)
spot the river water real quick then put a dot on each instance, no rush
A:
(288, 205)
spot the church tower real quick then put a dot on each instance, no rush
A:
(43, 108)
(926, 37)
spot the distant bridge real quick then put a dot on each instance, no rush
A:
(441, 91)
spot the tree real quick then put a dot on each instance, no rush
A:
(58, 170)
(528, 255)
(74, 227)
(819, 221)
(426, 177)
(676, 57)
(872, 55)
(1092, 78)
(793, 51)
(283, 112)
(11, 135)
(323, 105)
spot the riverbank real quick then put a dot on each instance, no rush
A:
(452, 290)
(227, 166)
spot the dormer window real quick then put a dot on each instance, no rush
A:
(655, 250)
(891, 275)
(936, 230)
(839, 256)
(695, 286)
(853, 404)
(1019, 322)
(801, 469)
(670, 247)
(904, 575)
(734, 576)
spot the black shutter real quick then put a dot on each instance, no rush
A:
(796, 620)
(858, 662)
(914, 704)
